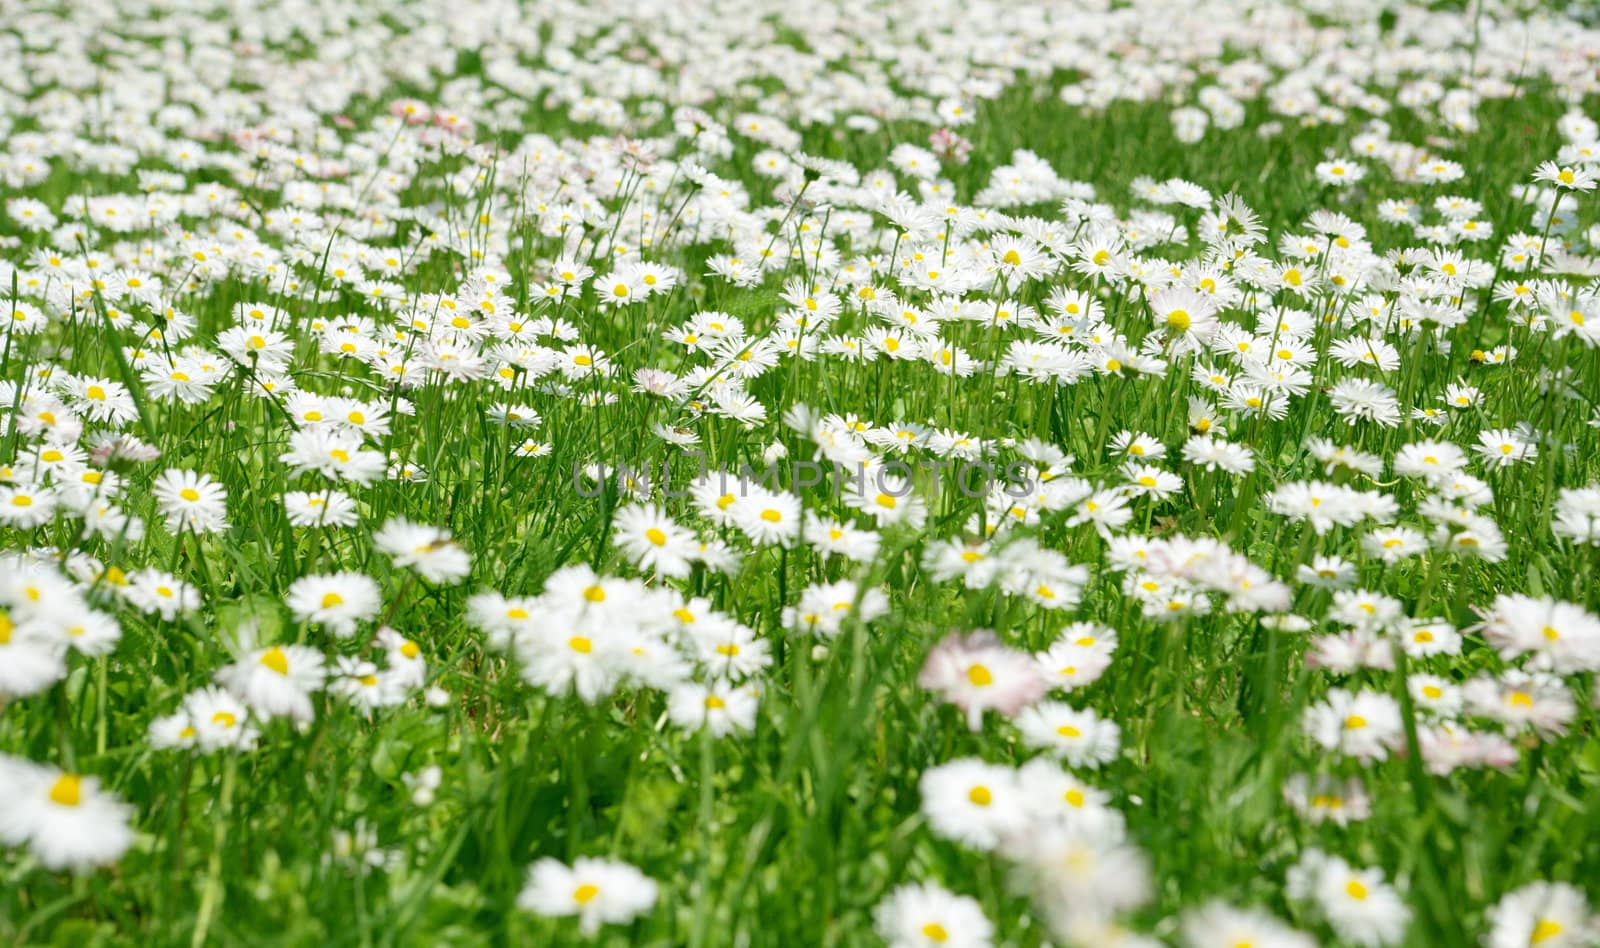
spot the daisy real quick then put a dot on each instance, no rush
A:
(1424, 638)
(1138, 446)
(407, 667)
(1541, 915)
(569, 652)
(722, 708)
(926, 915)
(1055, 796)
(1570, 178)
(362, 685)
(972, 802)
(1086, 866)
(336, 454)
(338, 601)
(728, 649)
(975, 672)
(1078, 657)
(277, 680)
(1364, 725)
(66, 820)
(973, 563)
(828, 536)
(1523, 701)
(83, 629)
(1430, 459)
(653, 541)
(1393, 544)
(1219, 925)
(25, 507)
(1329, 572)
(1186, 313)
(822, 609)
(1358, 903)
(30, 659)
(767, 517)
(326, 508)
(428, 550)
(219, 720)
(1503, 447)
(1215, 454)
(597, 891)
(1081, 738)
(191, 501)
(1339, 173)
(1357, 399)
(613, 290)
(160, 593)
(1325, 799)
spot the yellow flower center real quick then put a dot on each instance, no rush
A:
(67, 790)
(274, 659)
(980, 676)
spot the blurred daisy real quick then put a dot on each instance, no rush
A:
(597, 891)
(66, 820)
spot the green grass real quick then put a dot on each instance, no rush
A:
(794, 833)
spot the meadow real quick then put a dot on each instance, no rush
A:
(952, 474)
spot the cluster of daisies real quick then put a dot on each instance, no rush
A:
(281, 351)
